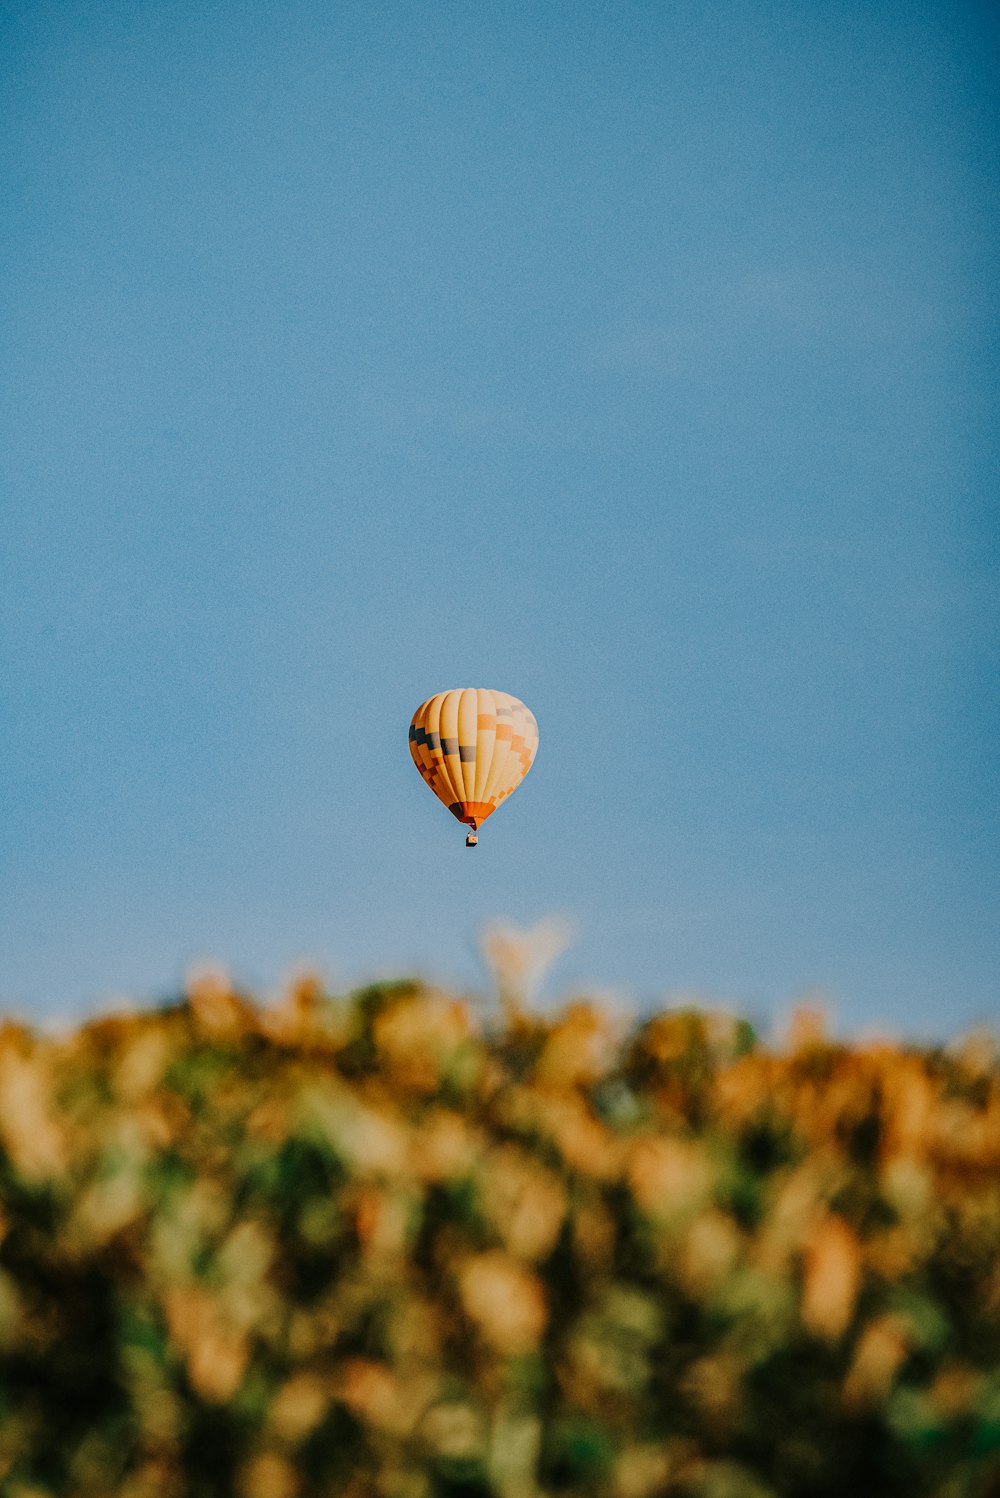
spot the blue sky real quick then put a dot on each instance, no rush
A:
(637, 359)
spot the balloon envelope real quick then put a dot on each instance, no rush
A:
(473, 747)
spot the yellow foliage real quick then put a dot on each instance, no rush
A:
(364, 1247)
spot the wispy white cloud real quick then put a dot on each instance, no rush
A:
(709, 320)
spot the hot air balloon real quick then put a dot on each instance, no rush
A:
(473, 747)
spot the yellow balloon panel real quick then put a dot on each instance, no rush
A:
(473, 747)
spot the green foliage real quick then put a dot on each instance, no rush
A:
(365, 1247)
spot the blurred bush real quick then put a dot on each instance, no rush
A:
(367, 1246)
